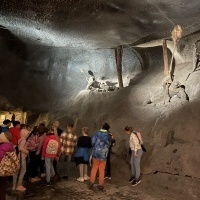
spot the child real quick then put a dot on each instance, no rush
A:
(50, 151)
(23, 152)
(42, 131)
(15, 131)
(108, 163)
(34, 159)
(82, 155)
(135, 142)
(101, 142)
(68, 143)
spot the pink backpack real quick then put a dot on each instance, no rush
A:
(32, 143)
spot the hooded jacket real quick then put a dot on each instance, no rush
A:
(46, 141)
(15, 135)
(101, 143)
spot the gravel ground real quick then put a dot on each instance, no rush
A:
(73, 190)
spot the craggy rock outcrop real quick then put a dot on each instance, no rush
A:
(171, 131)
(45, 44)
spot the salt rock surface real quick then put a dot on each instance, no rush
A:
(170, 131)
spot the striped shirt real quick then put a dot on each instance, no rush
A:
(68, 142)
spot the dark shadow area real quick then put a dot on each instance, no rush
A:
(151, 60)
(13, 63)
(187, 97)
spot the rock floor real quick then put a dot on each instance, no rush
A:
(73, 190)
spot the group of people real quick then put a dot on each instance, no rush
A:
(49, 152)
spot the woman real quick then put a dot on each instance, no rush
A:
(23, 152)
(82, 155)
(34, 159)
(135, 146)
(42, 131)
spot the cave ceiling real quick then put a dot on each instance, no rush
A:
(97, 23)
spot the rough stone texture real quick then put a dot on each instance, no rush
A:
(56, 70)
(43, 46)
(99, 23)
(160, 186)
(170, 131)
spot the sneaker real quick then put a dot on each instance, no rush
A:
(101, 188)
(131, 179)
(48, 184)
(36, 179)
(21, 188)
(136, 182)
(80, 179)
(43, 175)
(86, 178)
(91, 186)
(108, 177)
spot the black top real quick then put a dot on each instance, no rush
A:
(84, 142)
(59, 131)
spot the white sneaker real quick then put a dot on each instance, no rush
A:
(86, 178)
(80, 179)
(43, 175)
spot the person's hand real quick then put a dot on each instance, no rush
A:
(42, 158)
(135, 154)
(37, 153)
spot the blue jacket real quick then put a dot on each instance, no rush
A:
(83, 152)
(101, 142)
(4, 128)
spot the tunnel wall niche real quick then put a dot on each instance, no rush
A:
(49, 76)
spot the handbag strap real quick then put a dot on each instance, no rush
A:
(134, 132)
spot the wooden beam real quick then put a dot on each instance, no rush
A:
(118, 56)
(165, 58)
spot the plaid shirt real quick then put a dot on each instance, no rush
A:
(68, 142)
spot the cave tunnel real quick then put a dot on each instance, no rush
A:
(87, 62)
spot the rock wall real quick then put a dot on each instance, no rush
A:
(43, 78)
(47, 79)
(170, 131)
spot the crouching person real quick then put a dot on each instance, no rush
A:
(50, 151)
(101, 142)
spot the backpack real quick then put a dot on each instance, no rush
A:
(142, 145)
(52, 147)
(32, 143)
(9, 165)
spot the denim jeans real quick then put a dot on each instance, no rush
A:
(135, 163)
(49, 168)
